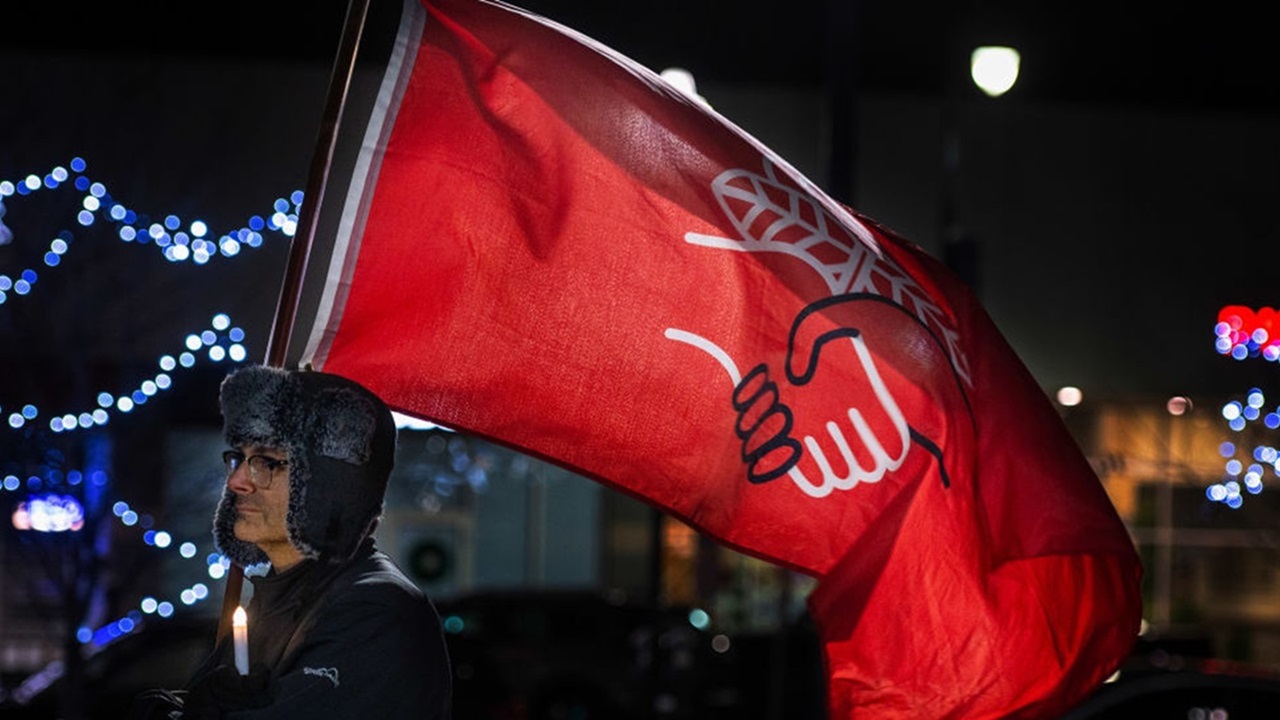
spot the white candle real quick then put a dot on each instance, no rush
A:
(240, 636)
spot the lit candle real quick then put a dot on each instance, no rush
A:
(240, 636)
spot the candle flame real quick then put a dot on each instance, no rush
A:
(239, 618)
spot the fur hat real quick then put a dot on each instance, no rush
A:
(341, 442)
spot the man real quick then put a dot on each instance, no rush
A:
(335, 628)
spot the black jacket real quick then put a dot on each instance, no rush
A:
(346, 641)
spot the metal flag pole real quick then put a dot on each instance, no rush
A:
(300, 247)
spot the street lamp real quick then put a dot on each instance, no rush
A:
(1070, 396)
(994, 69)
(1165, 540)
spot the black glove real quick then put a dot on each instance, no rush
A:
(156, 705)
(224, 690)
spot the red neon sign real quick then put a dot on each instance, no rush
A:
(1244, 333)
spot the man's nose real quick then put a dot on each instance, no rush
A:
(239, 481)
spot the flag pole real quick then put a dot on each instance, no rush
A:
(300, 247)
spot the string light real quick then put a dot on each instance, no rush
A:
(1243, 333)
(167, 235)
(219, 343)
(53, 512)
(149, 605)
(1238, 477)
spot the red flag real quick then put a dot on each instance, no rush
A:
(544, 244)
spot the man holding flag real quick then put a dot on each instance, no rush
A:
(337, 629)
(540, 242)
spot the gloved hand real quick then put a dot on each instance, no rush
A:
(156, 704)
(225, 690)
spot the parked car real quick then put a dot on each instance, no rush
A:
(1183, 695)
(535, 655)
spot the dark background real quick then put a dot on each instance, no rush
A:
(1218, 55)
(1119, 195)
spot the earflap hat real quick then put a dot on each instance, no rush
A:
(340, 439)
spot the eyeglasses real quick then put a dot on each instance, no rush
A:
(261, 468)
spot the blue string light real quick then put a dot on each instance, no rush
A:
(215, 564)
(1239, 478)
(162, 540)
(149, 605)
(1241, 334)
(221, 342)
(195, 243)
(24, 518)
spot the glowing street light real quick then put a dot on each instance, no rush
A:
(1069, 396)
(994, 69)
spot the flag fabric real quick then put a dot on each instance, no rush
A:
(543, 243)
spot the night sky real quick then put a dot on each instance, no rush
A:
(1120, 194)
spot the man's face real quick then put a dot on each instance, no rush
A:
(261, 512)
